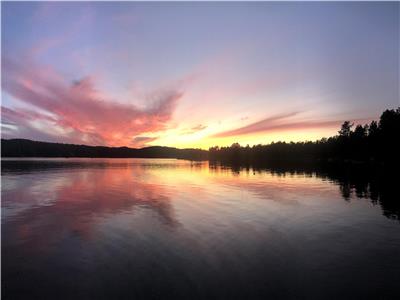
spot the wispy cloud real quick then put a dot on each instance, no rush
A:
(194, 129)
(78, 109)
(262, 125)
(281, 122)
(140, 141)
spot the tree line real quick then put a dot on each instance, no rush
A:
(28, 148)
(376, 142)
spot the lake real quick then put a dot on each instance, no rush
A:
(164, 228)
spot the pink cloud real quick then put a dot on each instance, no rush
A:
(84, 113)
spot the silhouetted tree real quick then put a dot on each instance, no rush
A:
(373, 129)
(359, 132)
(345, 131)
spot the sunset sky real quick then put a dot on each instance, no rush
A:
(195, 74)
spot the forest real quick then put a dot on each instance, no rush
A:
(28, 148)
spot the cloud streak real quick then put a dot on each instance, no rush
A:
(279, 122)
(194, 129)
(140, 141)
(262, 125)
(79, 111)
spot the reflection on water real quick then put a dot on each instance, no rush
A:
(354, 182)
(133, 228)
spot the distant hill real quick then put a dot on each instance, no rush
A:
(28, 148)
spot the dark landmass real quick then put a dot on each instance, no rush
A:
(28, 148)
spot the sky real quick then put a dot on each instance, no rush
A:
(195, 74)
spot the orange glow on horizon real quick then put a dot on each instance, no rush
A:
(251, 139)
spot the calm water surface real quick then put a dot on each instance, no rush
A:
(134, 228)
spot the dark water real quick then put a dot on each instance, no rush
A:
(135, 229)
